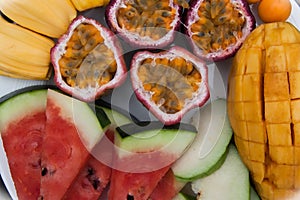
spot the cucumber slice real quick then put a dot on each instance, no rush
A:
(208, 151)
(230, 182)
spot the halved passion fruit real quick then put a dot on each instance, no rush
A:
(217, 28)
(169, 83)
(88, 60)
(143, 23)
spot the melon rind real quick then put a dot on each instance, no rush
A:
(11, 111)
(172, 141)
(213, 138)
(21, 105)
(232, 180)
(168, 141)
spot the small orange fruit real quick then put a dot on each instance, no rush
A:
(274, 10)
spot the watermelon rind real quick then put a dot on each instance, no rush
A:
(116, 118)
(168, 140)
(14, 107)
(21, 105)
(81, 114)
(172, 141)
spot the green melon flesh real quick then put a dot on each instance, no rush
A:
(208, 150)
(231, 181)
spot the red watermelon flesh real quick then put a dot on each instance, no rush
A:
(22, 142)
(22, 129)
(137, 184)
(167, 188)
(90, 182)
(63, 154)
(95, 176)
(64, 151)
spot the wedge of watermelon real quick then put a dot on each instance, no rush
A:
(72, 130)
(144, 154)
(22, 127)
(95, 176)
(168, 187)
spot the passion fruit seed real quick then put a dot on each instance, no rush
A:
(147, 18)
(87, 61)
(169, 92)
(220, 24)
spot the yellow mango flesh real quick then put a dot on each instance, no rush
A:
(264, 108)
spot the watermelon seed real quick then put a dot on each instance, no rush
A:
(93, 178)
(130, 197)
(44, 171)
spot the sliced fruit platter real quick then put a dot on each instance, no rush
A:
(145, 100)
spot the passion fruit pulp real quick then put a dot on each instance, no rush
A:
(169, 83)
(217, 28)
(144, 23)
(88, 60)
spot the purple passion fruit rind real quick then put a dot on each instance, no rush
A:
(88, 60)
(169, 83)
(218, 38)
(146, 24)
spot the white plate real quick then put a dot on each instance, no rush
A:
(218, 75)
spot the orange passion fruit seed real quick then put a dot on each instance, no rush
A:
(274, 10)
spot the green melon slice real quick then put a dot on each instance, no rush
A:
(95, 176)
(209, 149)
(231, 181)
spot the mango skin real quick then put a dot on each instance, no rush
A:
(263, 107)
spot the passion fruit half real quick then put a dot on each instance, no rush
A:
(169, 83)
(88, 60)
(142, 23)
(217, 28)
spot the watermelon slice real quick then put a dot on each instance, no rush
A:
(95, 176)
(22, 127)
(72, 130)
(144, 155)
(168, 187)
